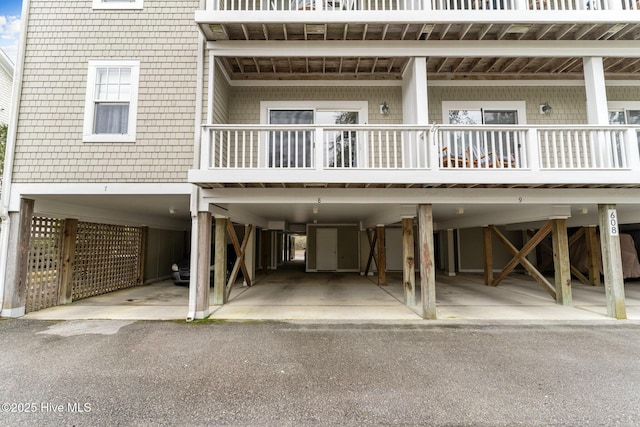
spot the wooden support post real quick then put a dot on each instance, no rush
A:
(612, 261)
(427, 266)
(372, 238)
(408, 264)
(264, 250)
(488, 256)
(250, 255)
(220, 269)
(203, 270)
(593, 255)
(15, 292)
(67, 260)
(142, 258)
(451, 253)
(382, 256)
(561, 261)
(572, 240)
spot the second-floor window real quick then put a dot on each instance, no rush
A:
(111, 102)
(117, 4)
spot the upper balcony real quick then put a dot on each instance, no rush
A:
(418, 156)
(420, 19)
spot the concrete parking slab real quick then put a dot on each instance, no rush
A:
(292, 294)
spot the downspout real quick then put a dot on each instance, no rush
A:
(195, 194)
(10, 149)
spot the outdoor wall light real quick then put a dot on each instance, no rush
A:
(459, 211)
(384, 108)
(545, 108)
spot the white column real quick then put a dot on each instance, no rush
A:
(414, 93)
(203, 261)
(415, 110)
(596, 91)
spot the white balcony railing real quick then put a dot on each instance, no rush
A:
(311, 6)
(439, 147)
(306, 147)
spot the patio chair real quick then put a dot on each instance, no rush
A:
(451, 160)
(491, 160)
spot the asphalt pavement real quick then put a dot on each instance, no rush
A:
(108, 372)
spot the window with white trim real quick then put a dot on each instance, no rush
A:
(117, 4)
(111, 101)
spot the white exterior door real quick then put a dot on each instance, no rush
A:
(327, 249)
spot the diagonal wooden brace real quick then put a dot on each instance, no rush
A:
(372, 250)
(519, 257)
(240, 249)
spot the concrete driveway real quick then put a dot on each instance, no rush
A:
(105, 373)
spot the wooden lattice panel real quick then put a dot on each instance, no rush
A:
(42, 281)
(107, 259)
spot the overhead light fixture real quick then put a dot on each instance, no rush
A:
(545, 108)
(384, 108)
(519, 28)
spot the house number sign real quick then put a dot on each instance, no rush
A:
(613, 222)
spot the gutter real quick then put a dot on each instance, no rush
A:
(195, 193)
(10, 149)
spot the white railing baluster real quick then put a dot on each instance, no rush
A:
(401, 147)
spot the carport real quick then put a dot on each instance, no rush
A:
(290, 293)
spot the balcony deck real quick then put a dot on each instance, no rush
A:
(236, 25)
(419, 156)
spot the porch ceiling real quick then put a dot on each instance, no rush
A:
(392, 68)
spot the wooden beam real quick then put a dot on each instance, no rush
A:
(203, 270)
(382, 257)
(408, 265)
(612, 261)
(541, 234)
(220, 269)
(488, 256)
(561, 261)
(427, 265)
(593, 255)
(67, 258)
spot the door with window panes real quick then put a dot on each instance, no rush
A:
(295, 148)
(486, 146)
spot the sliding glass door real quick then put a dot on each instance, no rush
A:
(290, 148)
